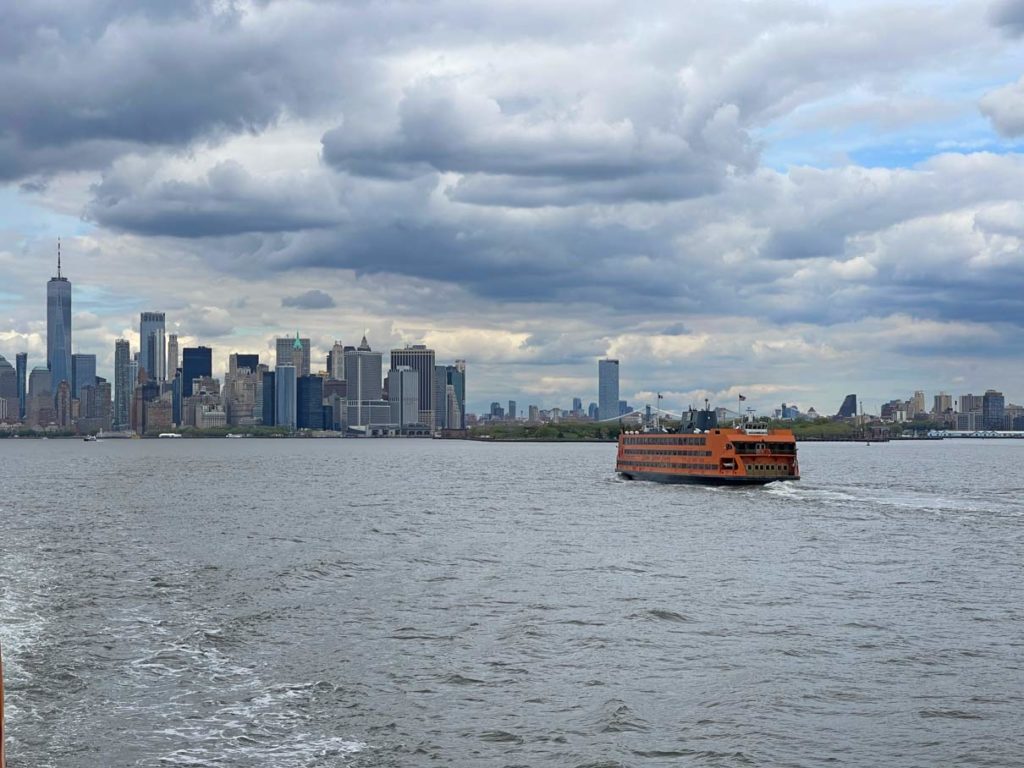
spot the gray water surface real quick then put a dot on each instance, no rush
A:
(419, 603)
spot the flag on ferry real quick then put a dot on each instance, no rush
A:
(743, 397)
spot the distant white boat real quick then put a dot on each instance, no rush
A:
(169, 434)
(234, 436)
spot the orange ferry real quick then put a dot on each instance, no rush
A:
(703, 452)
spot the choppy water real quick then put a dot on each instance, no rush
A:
(407, 603)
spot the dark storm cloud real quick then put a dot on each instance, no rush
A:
(1009, 15)
(86, 83)
(818, 246)
(526, 160)
(313, 299)
(228, 200)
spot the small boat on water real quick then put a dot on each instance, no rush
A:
(703, 452)
(169, 434)
(91, 439)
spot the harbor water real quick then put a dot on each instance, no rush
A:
(297, 603)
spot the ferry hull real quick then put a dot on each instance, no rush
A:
(664, 477)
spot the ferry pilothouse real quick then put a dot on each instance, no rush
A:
(703, 452)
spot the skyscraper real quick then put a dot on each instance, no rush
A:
(83, 373)
(310, 402)
(172, 355)
(363, 375)
(403, 395)
(152, 345)
(916, 405)
(9, 400)
(457, 378)
(608, 389)
(421, 360)
(123, 385)
(285, 353)
(22, 371)
(269, 399)
(849, 407)
(251, 362)
(971, 403)
(196, 362)
(63, 403)
(40, 397)
(299, 354)
(511, 413)
(103, 406)
(450, 397)
(440, 397)
(993, 409)
(287, 400)
(58, 326)
(336, 362)
(363, 383)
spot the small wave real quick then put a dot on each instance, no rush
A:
(501, 737)
(664, 752)
(956, 714)
(412, 633)
(660, 614)
(617, 717)
(457, 679)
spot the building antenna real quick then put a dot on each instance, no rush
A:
(58, 257)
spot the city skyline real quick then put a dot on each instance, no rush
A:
(796, 202)
(298, 352)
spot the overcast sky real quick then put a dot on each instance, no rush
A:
(792, 200)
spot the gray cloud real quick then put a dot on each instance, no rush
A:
(1009, 15)
(312, 299)
(87, 83)
(827, 246)
(444, 126)
(1005, 108)
(553, 181)
(228, 200)
(204, 322)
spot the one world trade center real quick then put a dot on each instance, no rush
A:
(58, 327)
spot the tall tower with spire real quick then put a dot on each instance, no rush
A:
(58, 326)
(297, 354)
(288, 349)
